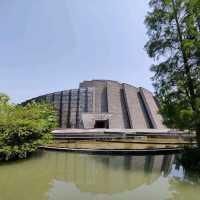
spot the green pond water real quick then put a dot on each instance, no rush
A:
(73, 176)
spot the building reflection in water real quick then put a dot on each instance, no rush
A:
(56, 175)
(110, 174)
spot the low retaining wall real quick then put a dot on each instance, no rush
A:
(118, 151)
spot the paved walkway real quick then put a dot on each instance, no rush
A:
(127, 131)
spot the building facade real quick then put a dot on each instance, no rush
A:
(105, 104)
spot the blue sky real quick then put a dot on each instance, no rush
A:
(52, 45)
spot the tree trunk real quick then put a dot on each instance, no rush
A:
(190, 83)
(198, 137)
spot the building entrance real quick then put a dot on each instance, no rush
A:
(101, 124)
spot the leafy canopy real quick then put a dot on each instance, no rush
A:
(174, 42)
(24, 128)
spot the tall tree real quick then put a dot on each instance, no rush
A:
(174, 42)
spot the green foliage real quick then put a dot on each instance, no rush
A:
(24, 128)
(174, 42)
(3, 98)
(191, 161)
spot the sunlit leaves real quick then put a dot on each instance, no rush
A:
(173, 28)
(24, 128)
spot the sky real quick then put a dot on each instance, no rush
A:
(53, 45)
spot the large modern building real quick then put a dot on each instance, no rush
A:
(105, 104)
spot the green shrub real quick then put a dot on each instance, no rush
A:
(24, 128)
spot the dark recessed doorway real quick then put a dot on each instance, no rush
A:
(101, 124)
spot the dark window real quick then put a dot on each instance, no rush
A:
(101, 124)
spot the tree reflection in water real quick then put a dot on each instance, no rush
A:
(185, 181)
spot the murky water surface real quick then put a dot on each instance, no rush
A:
(72, 176)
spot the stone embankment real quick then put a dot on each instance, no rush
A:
(121, 141)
